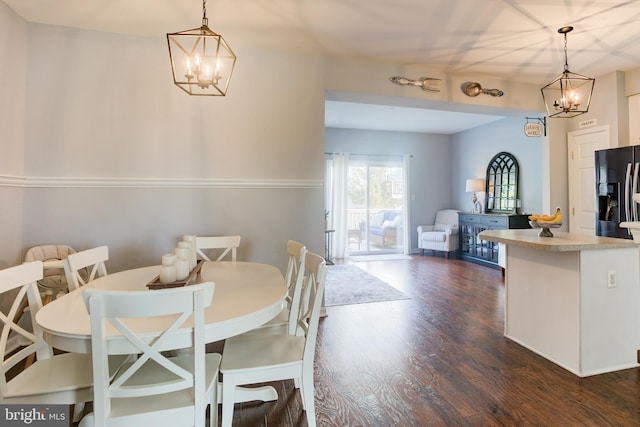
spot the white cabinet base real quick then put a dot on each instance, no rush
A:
(559, 305)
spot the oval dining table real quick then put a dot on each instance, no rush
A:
(247, 295)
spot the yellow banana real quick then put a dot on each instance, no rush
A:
(555, 218)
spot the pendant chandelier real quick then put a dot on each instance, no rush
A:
(201, 61)
(569, 94)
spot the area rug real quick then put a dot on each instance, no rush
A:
(384, 257)
(348, 284)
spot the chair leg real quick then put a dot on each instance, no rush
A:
(47, 299)
(228, 402)
(307, 396)
(213, 405)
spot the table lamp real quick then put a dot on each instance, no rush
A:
(474, 185)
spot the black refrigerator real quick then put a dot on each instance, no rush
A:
(616, 182)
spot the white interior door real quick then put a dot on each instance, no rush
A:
(582, 187)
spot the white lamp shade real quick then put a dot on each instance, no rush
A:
(474, 185)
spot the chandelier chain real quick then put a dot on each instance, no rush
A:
(566, 61)
(205, 21)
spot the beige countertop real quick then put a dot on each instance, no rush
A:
(561, 241)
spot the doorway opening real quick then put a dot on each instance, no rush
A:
(366, 204)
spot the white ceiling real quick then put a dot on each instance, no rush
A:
(513, 39)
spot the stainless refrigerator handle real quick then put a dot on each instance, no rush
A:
(634, 210)
(627, 184)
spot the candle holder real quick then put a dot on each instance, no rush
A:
(157, 284)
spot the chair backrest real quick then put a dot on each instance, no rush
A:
(447, 217)
(227, 243)
(296, 252)
(91, 259)
(113, 309)
(23, 279)
(294, 277)
(311, 302)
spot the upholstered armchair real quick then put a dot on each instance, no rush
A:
(442, 235)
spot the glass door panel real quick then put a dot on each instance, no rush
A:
(375, 206)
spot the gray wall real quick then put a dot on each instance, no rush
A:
(13, 62)
(108, 164)
(429, 168)
(473, 149)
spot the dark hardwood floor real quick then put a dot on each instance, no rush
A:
(440, 359)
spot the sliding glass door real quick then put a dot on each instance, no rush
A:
(375, 191)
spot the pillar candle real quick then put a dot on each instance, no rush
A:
(194, 248)
(182, 269)
(168, 259)
(182, 253)
(167, 274)
(189, 256)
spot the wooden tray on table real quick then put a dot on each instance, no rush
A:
(156, 284)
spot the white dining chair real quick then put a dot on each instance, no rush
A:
(228, 244)
(61, 379)
(53, 283)
(93, 260)
(257, 358)
(153, 389)
(286, 320)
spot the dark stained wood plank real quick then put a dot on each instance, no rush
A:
(440, 359)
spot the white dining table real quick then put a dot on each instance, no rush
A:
(247, 295)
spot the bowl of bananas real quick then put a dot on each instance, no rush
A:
(546, 222)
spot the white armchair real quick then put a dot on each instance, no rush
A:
(442, 236)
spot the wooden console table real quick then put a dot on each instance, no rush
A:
(484, 252)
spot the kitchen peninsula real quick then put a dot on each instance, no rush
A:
(573, 299)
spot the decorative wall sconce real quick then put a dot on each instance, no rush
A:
(428, 84)
(569, 94)
(537, 127)
(474, 89)
(201, 61)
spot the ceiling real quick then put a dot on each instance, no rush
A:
(510, 39)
